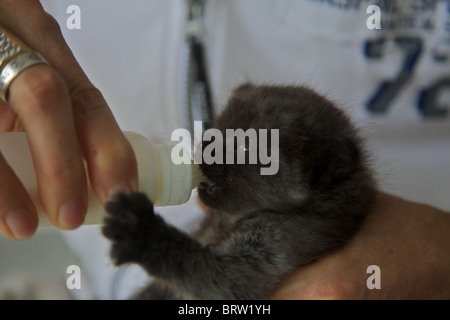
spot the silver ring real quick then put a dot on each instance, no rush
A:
(13, 60)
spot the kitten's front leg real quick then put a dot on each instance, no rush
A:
(139, 235)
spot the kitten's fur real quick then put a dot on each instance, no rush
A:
(260, 228)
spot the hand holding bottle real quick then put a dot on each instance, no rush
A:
(65, 119)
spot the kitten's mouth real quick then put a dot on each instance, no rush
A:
(208, 186)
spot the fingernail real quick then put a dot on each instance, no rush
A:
(21, 223)
(71, 214)
(120, 188)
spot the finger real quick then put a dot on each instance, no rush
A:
(111, 163)
(18, 218)
(110, 158)
(8, 118)
(41, 100)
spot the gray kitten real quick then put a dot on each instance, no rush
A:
(260, 228)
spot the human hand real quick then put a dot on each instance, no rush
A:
(409, 242)
(65, 119)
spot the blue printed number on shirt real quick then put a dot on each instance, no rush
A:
(383, 97)
(428, 99)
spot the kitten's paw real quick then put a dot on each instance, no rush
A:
(128, 223)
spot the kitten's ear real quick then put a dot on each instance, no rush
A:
(332, 160)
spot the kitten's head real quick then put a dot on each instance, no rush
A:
(317, 149)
